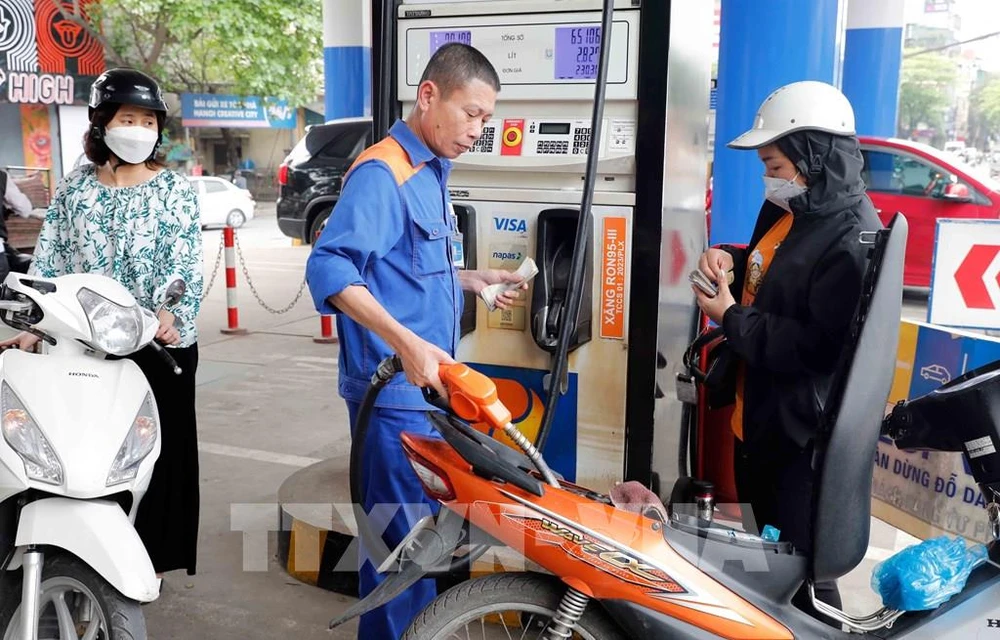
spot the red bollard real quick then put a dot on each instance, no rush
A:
(326, 336)
(229, 241)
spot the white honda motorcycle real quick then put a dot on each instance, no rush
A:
(80, 437)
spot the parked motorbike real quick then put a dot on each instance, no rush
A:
(617, 568)
(80, 438)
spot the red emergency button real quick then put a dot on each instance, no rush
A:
(513, 135)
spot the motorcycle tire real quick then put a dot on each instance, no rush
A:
(123, 618)
(528, 594)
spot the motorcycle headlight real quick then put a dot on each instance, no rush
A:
(23, 435)
(115, 329)
(138, 444)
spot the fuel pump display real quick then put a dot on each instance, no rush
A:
(441, 38)
(576, 52)
(533, 50)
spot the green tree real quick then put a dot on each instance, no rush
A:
(984, 112)
(926, 81)
(242, 47)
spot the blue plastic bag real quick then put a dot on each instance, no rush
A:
(925, 575)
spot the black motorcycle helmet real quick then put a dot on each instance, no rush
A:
(112, 89)
(126, 86)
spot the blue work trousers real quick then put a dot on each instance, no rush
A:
(391, 489)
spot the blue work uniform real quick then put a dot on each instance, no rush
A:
(391, 231)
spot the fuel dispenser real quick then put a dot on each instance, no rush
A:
(520, 189)
(518, 193)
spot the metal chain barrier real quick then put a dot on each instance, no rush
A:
(215, 269)
(253, 290)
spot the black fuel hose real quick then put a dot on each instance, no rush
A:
(583, 228)
(687, 450)
(384, 67)
(383, 374)
(385, 371)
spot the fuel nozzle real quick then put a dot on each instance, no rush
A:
(473, 398)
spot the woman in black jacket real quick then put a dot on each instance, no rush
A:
(793, 293)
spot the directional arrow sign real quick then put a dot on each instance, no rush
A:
(965, 280)
(971, 276)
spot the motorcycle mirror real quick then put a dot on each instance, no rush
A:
(174, 292)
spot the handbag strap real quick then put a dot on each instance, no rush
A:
(691, 355)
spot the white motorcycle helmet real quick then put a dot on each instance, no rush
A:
(817, 106)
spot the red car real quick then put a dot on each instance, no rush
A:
(925, 185)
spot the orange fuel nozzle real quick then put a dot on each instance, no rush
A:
(473, 396)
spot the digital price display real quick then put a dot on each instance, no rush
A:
(578, 50)
(441, 38)
(554, 129)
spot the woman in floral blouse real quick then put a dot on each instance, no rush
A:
(128, 218)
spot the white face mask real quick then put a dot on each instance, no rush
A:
(781, 191)
(132, 144)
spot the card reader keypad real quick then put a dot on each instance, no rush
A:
(581, 141)
(485, 142)
(576, 142)
(549, 147)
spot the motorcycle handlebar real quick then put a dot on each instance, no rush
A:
(166, 358)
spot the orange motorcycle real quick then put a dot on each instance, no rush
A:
(624, 565)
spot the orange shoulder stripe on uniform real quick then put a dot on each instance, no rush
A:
(392, 154)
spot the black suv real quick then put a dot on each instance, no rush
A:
(311, 176)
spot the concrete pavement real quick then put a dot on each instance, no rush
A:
(267, 406)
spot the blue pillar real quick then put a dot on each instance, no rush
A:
(873, 53)
(347, 58)
(762, 46)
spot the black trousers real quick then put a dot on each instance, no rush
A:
(777, 480)
(167, 520)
